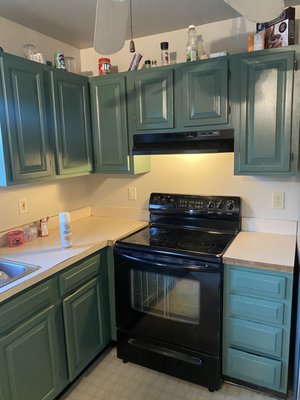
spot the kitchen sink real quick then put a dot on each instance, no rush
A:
(11, 271)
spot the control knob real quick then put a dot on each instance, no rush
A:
(230, 205)
(211, 205)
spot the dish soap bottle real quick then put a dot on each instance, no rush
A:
(191, 46)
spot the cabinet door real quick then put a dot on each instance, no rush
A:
(71, 122)
(152, 99)
(86, 327)
(205, 93)
(266, 97)
(109, 123)
(29, 364)
(24, 134)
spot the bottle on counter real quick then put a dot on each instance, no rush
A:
(65, 229)
(164, 47)
(191, 46)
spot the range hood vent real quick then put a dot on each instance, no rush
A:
(215, 141)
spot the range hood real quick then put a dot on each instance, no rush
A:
(214, 141)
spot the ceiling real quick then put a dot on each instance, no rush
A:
(72, 21)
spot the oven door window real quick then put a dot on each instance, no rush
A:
(165, 296)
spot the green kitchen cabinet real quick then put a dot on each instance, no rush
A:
(29, 350)
(24, 149)
(71, 123)
(266, 94)
(86, 311)
(203, 100)
(112, 150)
(151, 99)
(257, 327)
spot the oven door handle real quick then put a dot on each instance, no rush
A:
(191, 267)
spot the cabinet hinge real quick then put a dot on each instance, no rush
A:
(229, 109)
(295, 65)
(229, 74)
(291, 157)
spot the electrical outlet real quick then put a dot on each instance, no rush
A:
(132, 193)
(23, 206)
(278, 200)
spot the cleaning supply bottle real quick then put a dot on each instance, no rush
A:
(202, 55)
(191, 46)
(65, 229)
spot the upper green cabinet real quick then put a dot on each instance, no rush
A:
(112, 150)
(108, 98)
(204, 93)
(24, 150)
(152, 99)
(71, 122)
(266, 119)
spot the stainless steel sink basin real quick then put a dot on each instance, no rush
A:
(11, 271)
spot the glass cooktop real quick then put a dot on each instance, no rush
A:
(206, 243)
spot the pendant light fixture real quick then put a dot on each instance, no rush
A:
(111, 25)
(131, 44)
(257, 10)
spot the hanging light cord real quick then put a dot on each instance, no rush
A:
(131, 45)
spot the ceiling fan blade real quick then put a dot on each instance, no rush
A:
(257, 10)
(110, 25)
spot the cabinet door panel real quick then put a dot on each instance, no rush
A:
(256, 309)
(109, 124)
(266, 112)
(154, 100)
(71, 114)
(258, 284)
(83, 326)
(258, 370)
(26, 119)
(205, 93)
(256, 338)
(28, 361)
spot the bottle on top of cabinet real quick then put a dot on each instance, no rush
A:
(191, 46)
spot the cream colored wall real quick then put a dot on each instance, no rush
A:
(230, 35)
(43, 199)
(13, 36)
(195, 174)
(199, 174)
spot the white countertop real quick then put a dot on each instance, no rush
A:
(88, 236)
(270, 251)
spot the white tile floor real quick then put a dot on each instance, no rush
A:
(110, 379)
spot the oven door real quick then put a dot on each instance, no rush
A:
(169, 298)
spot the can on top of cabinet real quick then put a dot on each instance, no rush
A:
(104, 66)
(59, 61)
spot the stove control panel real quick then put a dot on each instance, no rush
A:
(215, 206)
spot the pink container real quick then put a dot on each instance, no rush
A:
(15, 238)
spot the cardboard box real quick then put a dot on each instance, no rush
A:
(280, 31)
(256, 41)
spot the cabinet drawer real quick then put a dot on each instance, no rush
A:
(258, 370)
(25, 305)
(255, 337)
(257, 284)
(256, 309)
(79, 274)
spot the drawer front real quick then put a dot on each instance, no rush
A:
(257, 284)
(254, 337)
(25, 305)
(258, 370)
(79, 274)
(256, 309)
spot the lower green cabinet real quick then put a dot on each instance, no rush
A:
(84, 322)
(256, 327)
(29, 359)
(50, 333)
